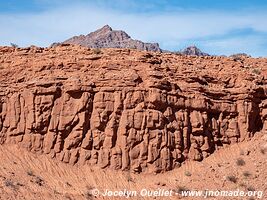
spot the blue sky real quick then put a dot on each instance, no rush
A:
(217, 27)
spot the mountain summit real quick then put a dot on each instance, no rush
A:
(193, 51)
(106, 37)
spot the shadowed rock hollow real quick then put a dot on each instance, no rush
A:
(126, 109)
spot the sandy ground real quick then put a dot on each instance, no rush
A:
(25, 175)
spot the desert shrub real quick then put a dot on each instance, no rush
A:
(102, 75)
(14, 45)
(56, 192)
(263, 150)
(181, 189)
(246, 174)
(179, 53)
(256, 71)
(88, 195)
(35, 179)
(68, 197)
(187, 173)
(39, 181)
(240, 162)
(239, 56)
(130, 179)
(10, 183)
(231, 178)
(30, 173)
(68, 184)
(96, 51)
(250, 188)
(242, 185)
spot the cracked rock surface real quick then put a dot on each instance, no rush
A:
(127, 109)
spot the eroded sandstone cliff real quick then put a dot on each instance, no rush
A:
(126, 109)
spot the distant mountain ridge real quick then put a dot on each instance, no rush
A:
(106, 37)
(193, 51)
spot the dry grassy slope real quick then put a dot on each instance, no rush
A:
(25, 175)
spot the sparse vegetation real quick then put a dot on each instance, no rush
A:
(250, 188)
(39, 181)
(68, 197)
(180, 189)
(102, 75)
(68, 184)
(187, 173)
(240, 56)
(56, 192)
(242, 185)
(88, 195)
(179, 53)
(246, 174)
(30, 173)
(36, 179)
(240, 162)
(130, 179)
(97, 51)
(14, 45)
(256, 71)
(10, 183)
(263, 150)
(231, 178)
(20, 184)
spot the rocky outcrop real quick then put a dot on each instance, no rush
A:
(128, 110)
(105, 37)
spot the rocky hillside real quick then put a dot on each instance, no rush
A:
(125, 109)
(105, 37)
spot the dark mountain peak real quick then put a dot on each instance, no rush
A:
(193, 51)
(106, 37)
(105, 29)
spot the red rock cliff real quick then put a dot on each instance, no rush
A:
(126, 109)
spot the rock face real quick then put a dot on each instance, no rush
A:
(128, 110)
(193, 51)
(105, 37)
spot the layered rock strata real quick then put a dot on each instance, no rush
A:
(126, 109)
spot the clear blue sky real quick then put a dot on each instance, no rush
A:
(217, 27)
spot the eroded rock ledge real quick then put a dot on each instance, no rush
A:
(126, 109)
